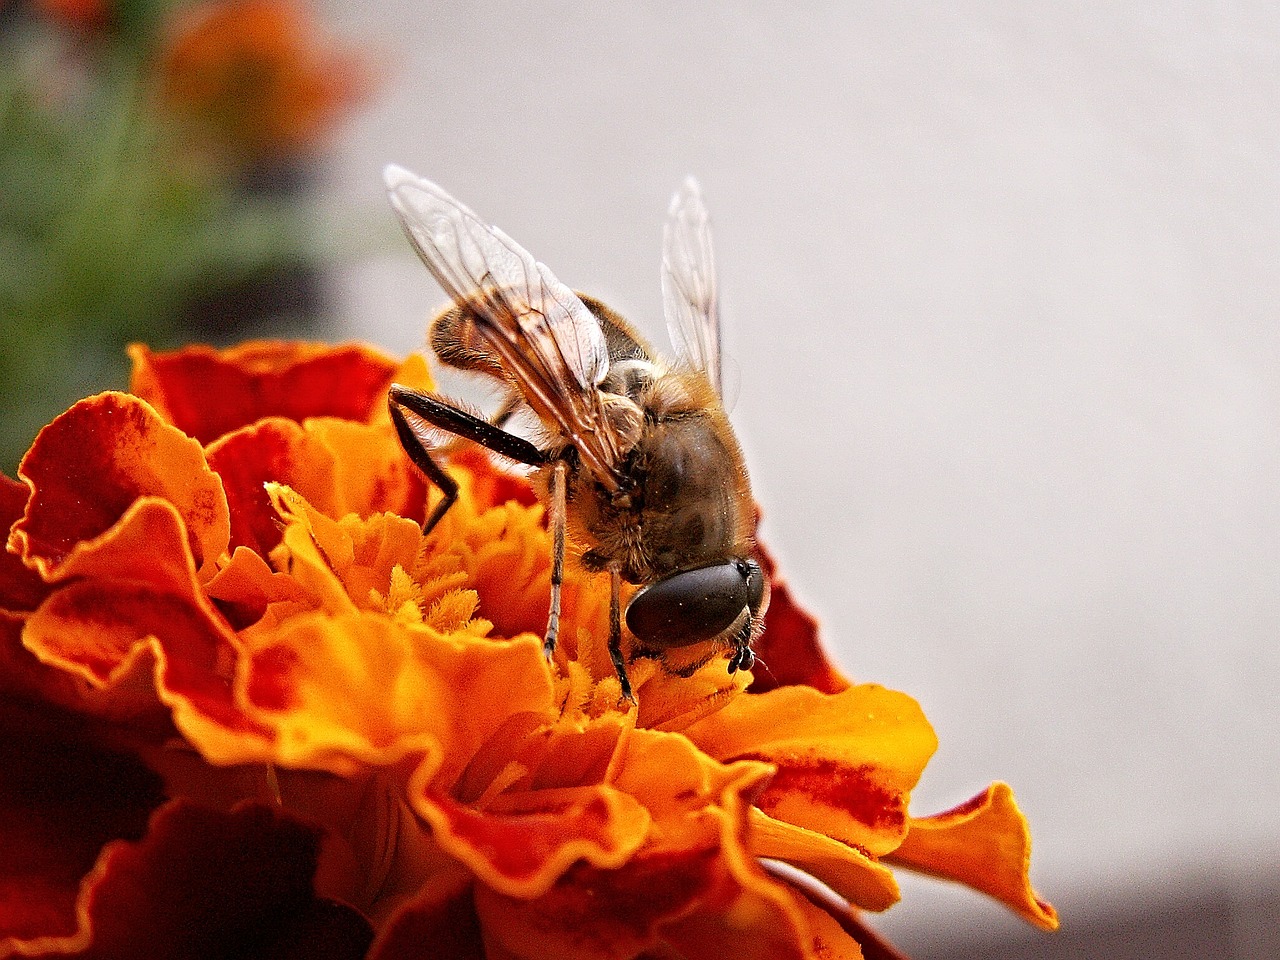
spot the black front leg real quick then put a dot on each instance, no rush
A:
(407, 406)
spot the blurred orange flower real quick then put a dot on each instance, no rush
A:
(81, 14)
(254, 78)
(246, 705)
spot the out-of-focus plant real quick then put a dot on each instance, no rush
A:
(153, 159)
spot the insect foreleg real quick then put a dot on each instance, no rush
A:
(615, 630)
(405, 404)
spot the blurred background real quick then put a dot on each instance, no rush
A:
(1000, 285)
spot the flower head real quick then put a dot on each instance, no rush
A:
(238, 665)
(252, 77)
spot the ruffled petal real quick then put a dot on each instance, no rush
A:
(692, 889)
(66, 791)
(360, 689)
(244, 589)
(521, 846)
(276, 450)
(134, 595)
(984, 843)
(352, 563)
(441, 922)
(846, 762)
(371, 472)
(88, 467)
(846, 870)
(206, 883)
(21, 588)
(207, 393)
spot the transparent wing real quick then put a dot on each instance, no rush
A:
(546, 338)
(689, 283)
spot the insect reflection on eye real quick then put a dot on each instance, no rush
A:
(638, 466)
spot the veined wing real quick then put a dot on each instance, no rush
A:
(689, 294)
(547, 339)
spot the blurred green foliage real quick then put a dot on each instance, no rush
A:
(111, 230)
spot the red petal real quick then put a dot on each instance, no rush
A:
(90, 465)
(789, 651)
(64, 794)
(278, 450)
(20, 587)
(441, 923)
(209, 884)
(593, 913)
(523, 850)
(137, 584)
(207, 392)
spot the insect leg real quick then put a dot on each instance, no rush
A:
(406, 405)
(742, 657)
(615, 630)
(557, 519)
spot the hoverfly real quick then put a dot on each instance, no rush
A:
(639, 468)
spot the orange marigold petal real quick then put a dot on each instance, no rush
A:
(694, 799)
(244, 588)
(828, 940)
(207, 392)
(133, 593)
(692, 890)
(520, 848)
(846, 870)
(667, 700)
(371, 472)
(342, 692)
(211, 883)
(64, 794)
(414, 373)
(440, 922)
(24, 677)
(352, 563)
(984, 843)
(273, 449)
(20, 587)
(88, 466)
(686, 903)
(846, 762)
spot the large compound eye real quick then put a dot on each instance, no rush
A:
(694, 605)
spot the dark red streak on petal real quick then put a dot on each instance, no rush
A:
(269, 684)
(850, 789)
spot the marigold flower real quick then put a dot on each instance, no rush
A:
(254, 77)
(247, 707)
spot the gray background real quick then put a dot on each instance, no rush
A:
(1001, 290)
